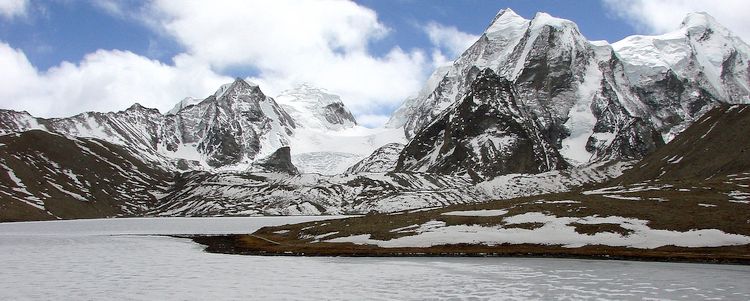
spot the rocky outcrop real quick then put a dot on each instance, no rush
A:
(278, 162)
(383, 159)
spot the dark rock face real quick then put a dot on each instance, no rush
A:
(485, 135)
(336, 113)
(634, 140)
(278, 162)
(222, 147)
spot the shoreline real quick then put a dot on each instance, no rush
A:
(254, 245)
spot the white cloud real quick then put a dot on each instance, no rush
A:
(112, 7)
(449, 38)
(322, 42)
(283, 42)
(102, 81)
(660, 16)
(13, 8)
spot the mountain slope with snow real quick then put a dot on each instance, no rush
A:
(383, 159)
(485, 135)
(46, 175)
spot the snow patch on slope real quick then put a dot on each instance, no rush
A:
(581, 120)
(556, 231)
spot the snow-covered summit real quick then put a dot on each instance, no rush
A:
(506, 20)
(700, 20)
(237, 84)
(701, 49)
(316, 108)
(509, 46)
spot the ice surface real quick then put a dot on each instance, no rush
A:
(67, 260)
(498, 212)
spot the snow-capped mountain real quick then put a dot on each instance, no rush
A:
(587, 101)
(229, 129)
(531, 103)
(136, 128)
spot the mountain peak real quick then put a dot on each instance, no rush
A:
(307, 92)
(185, 102)
(313, 107)
(545, 19)
(138, 107)
(702, 26)
(698, 19)
(135, 106)
(237, 85)
(506, 19)
(307, 88)
(507, 13)
(240, 83)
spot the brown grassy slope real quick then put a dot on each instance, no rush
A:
(110, 179)
(717, 144)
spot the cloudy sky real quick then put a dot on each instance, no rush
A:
(62, 57)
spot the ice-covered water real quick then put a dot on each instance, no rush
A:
(111, 259)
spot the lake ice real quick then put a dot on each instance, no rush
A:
(118, 259)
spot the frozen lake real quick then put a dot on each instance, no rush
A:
(113, 259)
